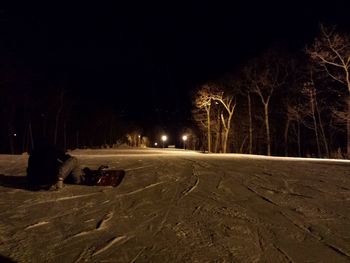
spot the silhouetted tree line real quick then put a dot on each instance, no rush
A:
(55, 113)
(282, 103)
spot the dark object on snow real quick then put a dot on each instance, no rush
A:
(103, 176)
(13, 181)
(44, 164)
(49, 168)
(4, 259)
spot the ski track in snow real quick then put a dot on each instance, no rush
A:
(138, 168)
(36, 225)
(101, 225)
(110, 243)
(140, 189)
(192, 187)
(183, 207)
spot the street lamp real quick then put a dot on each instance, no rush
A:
(164, 138)
(156, 144)
(184, 138)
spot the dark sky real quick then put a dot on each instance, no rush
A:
(145, 58)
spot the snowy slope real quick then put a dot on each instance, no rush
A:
(177, 206)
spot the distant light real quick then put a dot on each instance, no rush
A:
(155, 144)
(139, 136)
(15, 134)
(164, 138)
(184, 137)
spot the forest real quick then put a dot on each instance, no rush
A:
(282, 103)
(278, 103)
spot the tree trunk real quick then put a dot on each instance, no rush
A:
(250, 125)
(225, 140)
(267, 126)
(209, 132)
(216, 143)
(242, 144)
(321, 127)
(286, 138)
(315, 124)
(220, 138)
(348, 115)
(227, 131)
(298, 139)
(217, 134)
(348, 129)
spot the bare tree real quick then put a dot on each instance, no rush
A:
(286, 132)
(216, 128)
(309, 91)
(200, 118)
(295, 112)
(294, 115)
(203, 101)
(250, 123)
(266, 75)
(331, 50)
(245, 89)
(229, 104)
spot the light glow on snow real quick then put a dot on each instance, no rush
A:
(210, 202)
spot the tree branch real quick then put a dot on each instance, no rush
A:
(332, 76)
(326, 61)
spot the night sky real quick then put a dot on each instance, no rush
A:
(145, 59)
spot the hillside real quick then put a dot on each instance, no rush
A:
(177, 206)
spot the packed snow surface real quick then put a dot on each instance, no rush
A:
(181, 206)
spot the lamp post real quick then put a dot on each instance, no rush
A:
(184, 138)
(164, 138)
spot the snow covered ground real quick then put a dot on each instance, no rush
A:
(177, 206)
